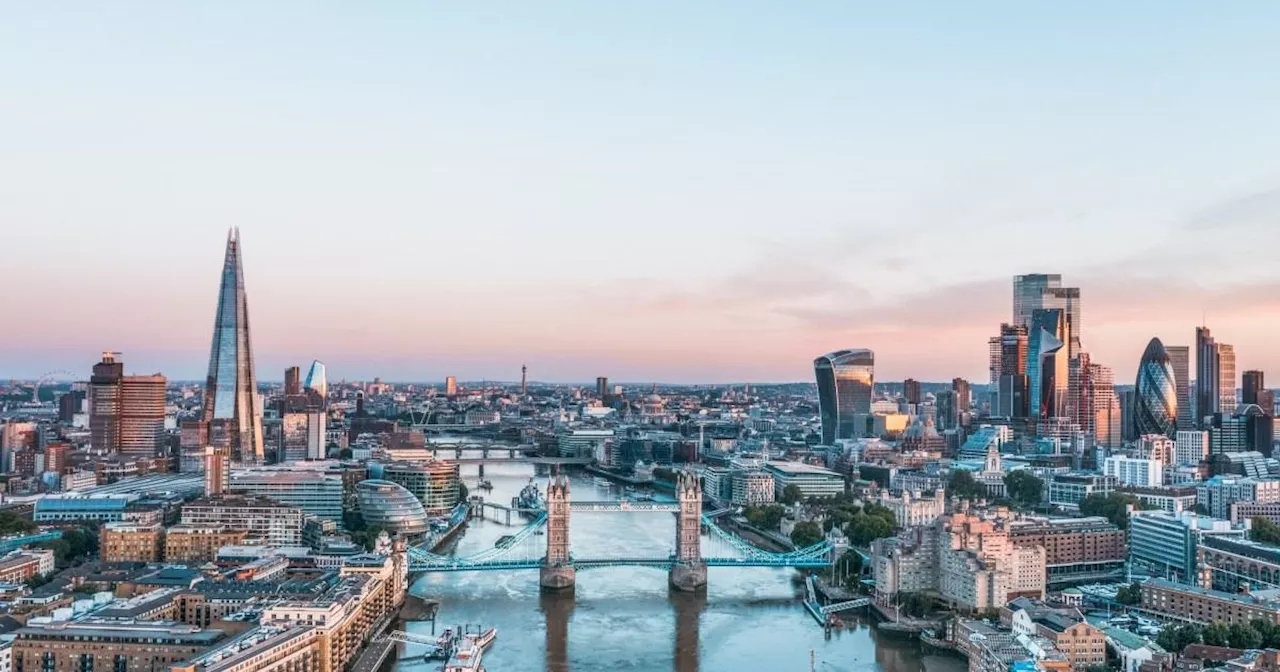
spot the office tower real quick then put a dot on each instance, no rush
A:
(1226, 378)
(142, 415)
(993, 361)
(1251, 383)
(104, 404)
(1012, 400)
(231, 393)
(1090, 398)
(602, 387)
(948, 414)
(1156, 404)
(73, 403)
(1029, 295)
(1108, 425)
(450, 386)
(1207, 375)
(911, 391)
(1047, 363)
(964, 398)
(1191, 446)
(1067, 299)
(1128, 404)
(292, 381)
(217, 473)
(845, 380)
(55, 457)
(1180, 358)
(302, 434)
(317, 385)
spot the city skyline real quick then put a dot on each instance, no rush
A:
(448, 225)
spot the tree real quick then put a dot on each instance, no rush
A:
(1175, 638)
(1131, 594)
(1113, 507)
(1217, 634)
(11, 523)
(791, 494)
(463, 492)
(1024, 487)
(765, 517)
(1265, 531)
(962, 485)
(1244, 637)
(914, 604)
(806, 533)
(865, 529)
(345, 454)
(847, 570)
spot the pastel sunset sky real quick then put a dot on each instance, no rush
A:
(672, 191)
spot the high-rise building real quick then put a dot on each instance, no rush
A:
(1090, 398)
(317, 384)
(1047, 363)
(911, 390)
(1128, 408)
(451, 386)
(1207, 375)
(1011, 399)
(994, 364)
(602, 387)
(845, 380)
(1180, 358)
(1029, 295)
(104, 404)
(126, 413)
(292, 381)
(963, 400)
(524, 379)
(1156, 404)
(1253, 382)
(231, 392)
(217, 472)
(1068, 300)
(142, 415)
(1226, 378)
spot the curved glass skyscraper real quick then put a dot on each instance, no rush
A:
(316, 384)
(1156, 398)
(231, 391)
(845, 379)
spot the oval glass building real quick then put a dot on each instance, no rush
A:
(389, 506)
(1156, 399)
(846, 380)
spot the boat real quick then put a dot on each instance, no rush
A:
(481, 639)
(465, 659)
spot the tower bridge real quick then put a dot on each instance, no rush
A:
(557, 566)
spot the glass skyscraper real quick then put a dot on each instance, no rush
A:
(317, 385)
(845, 380)
(1047, 363)
(1156, 401)
(231, 392)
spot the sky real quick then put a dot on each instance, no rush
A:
(657, 191)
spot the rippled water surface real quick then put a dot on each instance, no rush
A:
(626, 619)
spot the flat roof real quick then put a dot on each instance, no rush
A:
(799, 469)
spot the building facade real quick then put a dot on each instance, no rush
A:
(128, 542)
(846, 380)
(261, 518)
(434, 482)
(231, 408)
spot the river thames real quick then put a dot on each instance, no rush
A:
(625, 618)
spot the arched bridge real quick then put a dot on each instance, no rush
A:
(557, 566)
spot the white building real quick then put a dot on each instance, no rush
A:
(1135, 471)
(912, 510)
(753, 488)
(1156, 447)
(812, 481)
(1191, 447)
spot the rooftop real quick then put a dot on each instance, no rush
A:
(799, 469)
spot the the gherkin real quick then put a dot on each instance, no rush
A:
(1156, 403)
(231, 391)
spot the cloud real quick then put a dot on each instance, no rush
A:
(1258, 209)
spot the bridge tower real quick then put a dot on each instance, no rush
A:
(557, 571)
(689, 573)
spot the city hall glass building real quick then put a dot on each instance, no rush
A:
(845, 380)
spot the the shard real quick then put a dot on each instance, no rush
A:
(231, 392)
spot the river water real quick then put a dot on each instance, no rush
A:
(625, 618)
